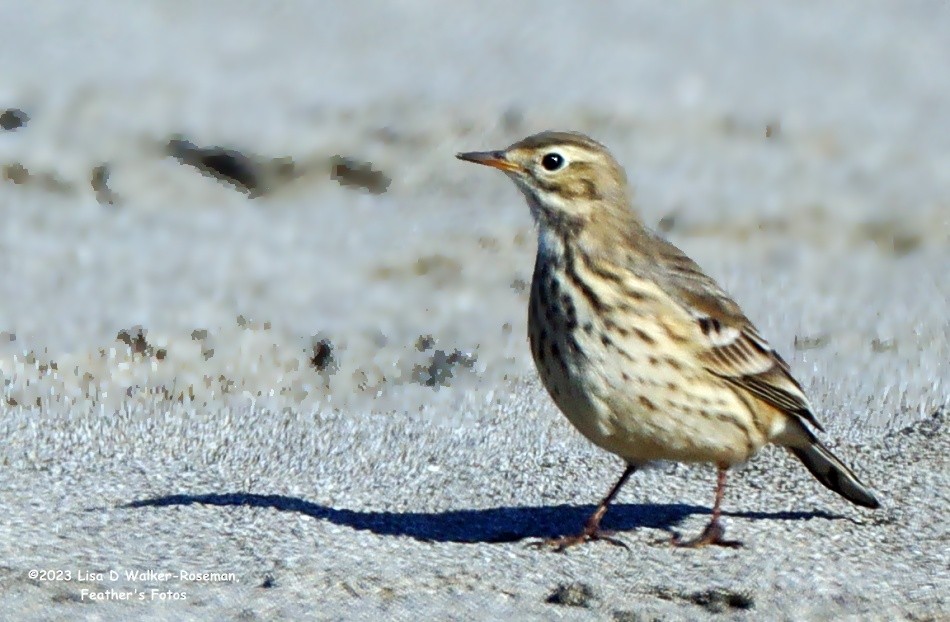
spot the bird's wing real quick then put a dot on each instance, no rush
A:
(731, 346)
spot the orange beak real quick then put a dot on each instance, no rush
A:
(494, 159)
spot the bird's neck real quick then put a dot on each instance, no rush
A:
(551, 244)
(600, 231)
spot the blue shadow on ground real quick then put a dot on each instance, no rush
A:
(501, 524)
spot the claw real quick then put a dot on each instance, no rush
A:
(592, 529)
(559, 545)
(712, 535)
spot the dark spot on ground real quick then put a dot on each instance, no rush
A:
(99, 180)
(201, 335)
(16, 172)
(488, 243)
(810, 343)
(70, 597)
(891, 237)
(228, 165)
(714, 600)
(439, 268)
(719, 600)
(349, 172)
(321, 354)
(571, 595)
(425, 342)
(135, 338)
(519, 285)
(250, 324)
(441, 368)
(883, 345)
(929, 427)
(13, 118)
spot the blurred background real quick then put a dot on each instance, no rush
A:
(219, 201)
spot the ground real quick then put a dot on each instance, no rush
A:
(262, 338)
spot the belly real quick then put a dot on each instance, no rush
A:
(643, 406)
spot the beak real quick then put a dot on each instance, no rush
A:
(494, 159)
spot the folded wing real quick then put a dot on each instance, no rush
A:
(731, 347)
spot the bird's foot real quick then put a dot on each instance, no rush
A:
(713, 534)
(559, 545)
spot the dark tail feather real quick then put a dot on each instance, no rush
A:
(834, 474)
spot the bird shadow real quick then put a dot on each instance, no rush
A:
(490, 525)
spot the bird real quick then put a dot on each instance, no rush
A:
(643, 352)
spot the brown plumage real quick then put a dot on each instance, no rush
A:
(643, 352)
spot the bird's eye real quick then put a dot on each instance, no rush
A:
(552, 161)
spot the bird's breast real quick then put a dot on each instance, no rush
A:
(622, 379)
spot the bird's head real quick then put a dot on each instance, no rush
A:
(567, 178)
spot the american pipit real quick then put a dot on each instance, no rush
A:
(644, 353)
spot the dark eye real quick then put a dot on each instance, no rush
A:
(552, 161)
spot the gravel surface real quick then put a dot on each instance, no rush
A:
(258, 326)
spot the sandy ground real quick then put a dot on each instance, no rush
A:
(304, 383)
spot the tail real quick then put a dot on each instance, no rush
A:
(834, 474)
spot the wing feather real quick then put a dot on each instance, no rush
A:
(731, 347)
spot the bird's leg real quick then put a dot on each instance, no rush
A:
(592, 529)
(714, 533)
